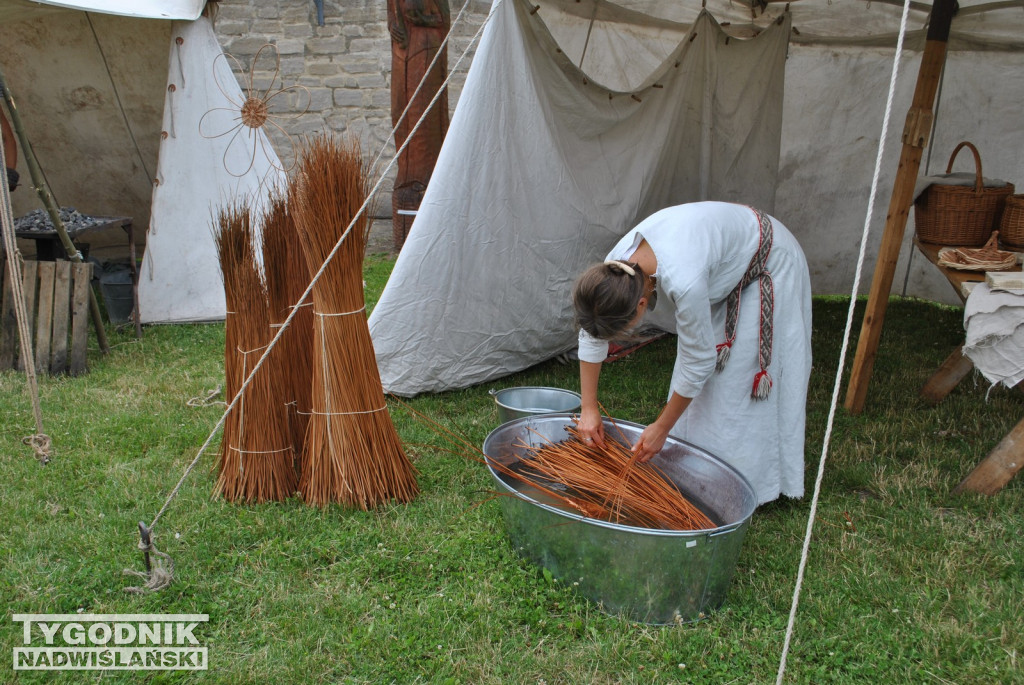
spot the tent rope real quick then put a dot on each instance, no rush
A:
(40, 442)
(295, 309)
(845, 346)
(117, 95)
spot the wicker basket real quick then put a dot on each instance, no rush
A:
(1011, 228)
(960, 215)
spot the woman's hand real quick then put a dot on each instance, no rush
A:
(651, 441)
(653, 438)
(591, 427)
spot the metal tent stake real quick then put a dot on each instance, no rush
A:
(145, 544)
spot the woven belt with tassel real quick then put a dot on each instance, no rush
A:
(756, 270)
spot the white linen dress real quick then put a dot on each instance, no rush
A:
(703, 250)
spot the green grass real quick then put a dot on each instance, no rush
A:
(905, 582)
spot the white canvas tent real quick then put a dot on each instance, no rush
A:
(481, 287)
(110, 94)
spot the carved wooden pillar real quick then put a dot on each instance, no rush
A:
(417, 28)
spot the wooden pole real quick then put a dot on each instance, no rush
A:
(52, 208)
(915, 137)
(1005, 460)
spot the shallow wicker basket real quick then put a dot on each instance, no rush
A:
(960, 215)
(1011, 228)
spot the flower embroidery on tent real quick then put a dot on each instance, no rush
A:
(244, 120)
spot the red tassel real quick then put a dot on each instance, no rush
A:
(762, 385)
(722, 354)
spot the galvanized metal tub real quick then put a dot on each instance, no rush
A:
(517, 403)
(649, 576)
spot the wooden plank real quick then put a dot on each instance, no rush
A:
(999, 466)
(30, 282)
(82, 275)
(950, 373)
(956, 277)
(61, 318)
(44, 317)
(8, 322)
(915, 135)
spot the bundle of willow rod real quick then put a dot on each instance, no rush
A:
(256, 459)
(287, 277)
(608, 483)
(352, 453)
(601, 483)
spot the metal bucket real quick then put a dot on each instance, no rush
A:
(517, 403)
(649, 576)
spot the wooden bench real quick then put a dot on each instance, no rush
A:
(57, 303)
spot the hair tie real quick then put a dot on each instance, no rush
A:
(622, 265)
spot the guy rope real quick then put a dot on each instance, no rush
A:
(846, 341)
(39, 441)
(160, 576)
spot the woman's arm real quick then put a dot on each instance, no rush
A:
(652, 439)
(590, 425)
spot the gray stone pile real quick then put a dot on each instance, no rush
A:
(39, 220)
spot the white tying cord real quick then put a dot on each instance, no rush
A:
(846, 342)
(316, 277)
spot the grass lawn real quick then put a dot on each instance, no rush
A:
(905, 582)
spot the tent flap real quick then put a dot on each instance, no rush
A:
(546, 165)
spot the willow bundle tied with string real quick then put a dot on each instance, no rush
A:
(607, 483)
(287, 277)
(352, 453)
(257, 461)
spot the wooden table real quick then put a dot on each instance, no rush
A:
(957, 366)
(1006, 458)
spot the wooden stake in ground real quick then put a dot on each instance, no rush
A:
(257, 461)
(352, 454)
(287, 277)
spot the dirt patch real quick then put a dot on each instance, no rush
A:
(381, 238)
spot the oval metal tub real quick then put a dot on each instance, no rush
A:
(517, 403)
(648, 576)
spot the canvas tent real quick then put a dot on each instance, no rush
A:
(553, 153)
(110, 94)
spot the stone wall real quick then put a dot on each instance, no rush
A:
(345, 66)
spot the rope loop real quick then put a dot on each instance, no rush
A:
(40, 444)
(206, 400)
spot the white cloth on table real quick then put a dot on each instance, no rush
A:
(703, 249)
(994, 321)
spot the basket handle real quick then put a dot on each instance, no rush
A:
(977, 163)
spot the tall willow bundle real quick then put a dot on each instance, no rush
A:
(352, 453)
(287, 276)
(256, 458)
